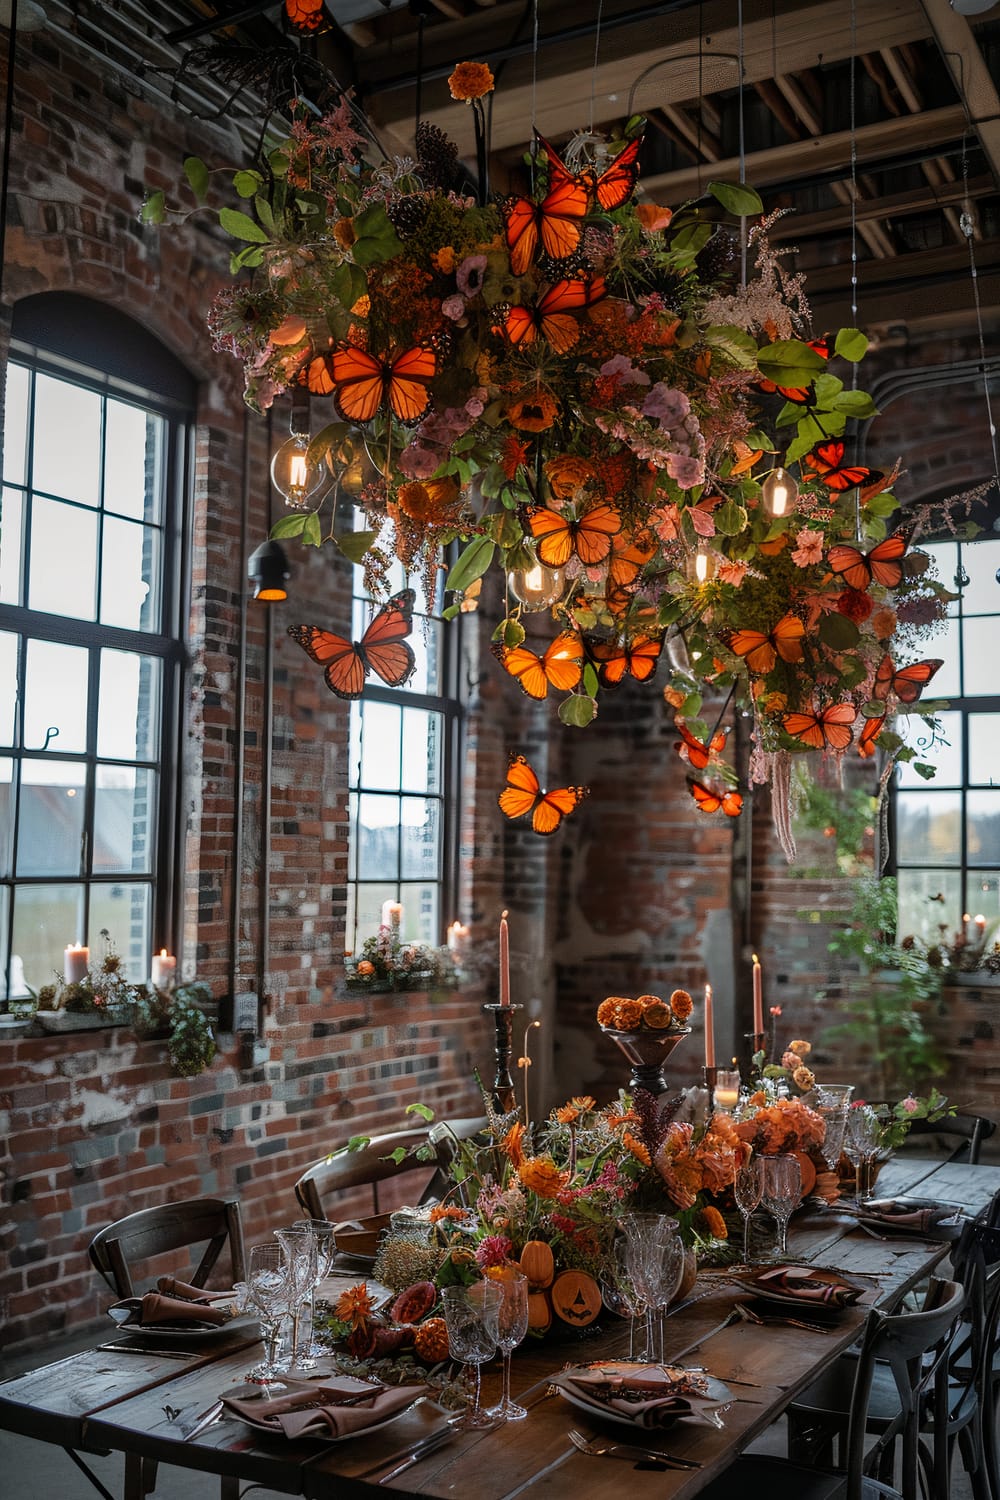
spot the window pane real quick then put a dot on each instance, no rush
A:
(378, 838)
(984, 739)
(979, 645)
(353, 839)
(380, 746)
(945, 555)
(426, 677)
(128, 719)
(940, 747)
(50, 825)
(66, 452)
(928, 898)
(351, 921)
(370, 901)
(929, 827)
(124, 819)
(983, 827)
(982, 896)
(421, 751)
(19, 985)
(47, 918)
(354, 745)
(123, 911)
(6, 818)
(133, 462)
(8, 686)
(11, 546)
(129, 565)
(942, 642)
(421, 913)
(980, 561)
(420, 839)
(55, 696)
(15, 428)
(63, 570)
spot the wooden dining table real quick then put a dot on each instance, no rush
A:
(143, 1404)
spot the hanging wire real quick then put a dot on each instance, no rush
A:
(854, 174)
(8, 127)
(418, 91)
(967, 224)
(534, 89)
(597, 50)
(743, 143)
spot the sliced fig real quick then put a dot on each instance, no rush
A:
(415, 1303)
(388, 1341)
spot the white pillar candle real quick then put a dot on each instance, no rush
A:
(76, 963)
(392, 916)
(163, 970)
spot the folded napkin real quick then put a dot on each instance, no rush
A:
(805, 1285)
(155, 1310)
(654, 1397)
(905, 1215)
(320, 1410)
(171, 1287)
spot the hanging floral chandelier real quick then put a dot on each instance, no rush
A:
(582, 391)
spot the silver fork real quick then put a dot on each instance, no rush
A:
(604, 1448)
(749, 1316)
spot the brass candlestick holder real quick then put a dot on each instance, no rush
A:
(503, 1084)
(710, 1077)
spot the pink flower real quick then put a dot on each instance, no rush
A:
(808, 548)
(493, 1250)
(685, 470)
(910, 1104)
(469, 276)
(620, 367)
(454, 307)
(732, 572)
(417, 462)
(666, 406)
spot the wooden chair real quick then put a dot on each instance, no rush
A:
(969, 1130)
(173, 1226)
(376, 1162)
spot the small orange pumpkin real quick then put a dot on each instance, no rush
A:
(430, 1342)
(576, 1298)
(539, 1312)
(538, 1263)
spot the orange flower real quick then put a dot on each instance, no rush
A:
(533, 413)
(883, 620)
(652, 217)
(446, 1211)
(540, 1175)
(607, 1011)
(431, 501)
(675, 698)
(636, 1147)
(566, 474)
(365, 968)
(513, 454)
(443, 260)
(804, 1078)
(658, 1016)
(362, 307)
(570, 1112)
(470, 81)
(629, 1016)
(343, 233)
(355, 1306)
(511, 1144)
(714, 1223)
(681, 1004)
(801, 1049)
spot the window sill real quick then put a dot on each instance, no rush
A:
(67, 1020)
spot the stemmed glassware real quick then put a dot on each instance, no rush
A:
(863, 1147)
(299, 1247)
(471, 1314)
(512, 1326)
(781, 1191)
(326, 1252)
(653, 1264)
(748, 1184)
(831, 1101)
(269, 1292)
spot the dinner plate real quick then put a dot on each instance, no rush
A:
(184, 1332)
(946, 1231)
(329, 1437)
(716, 1395)
(806, 1306)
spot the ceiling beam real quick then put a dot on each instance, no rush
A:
(961, 55)
(890, 206)
(951, 309)
(925, 266)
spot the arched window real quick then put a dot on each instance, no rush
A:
(92, 578)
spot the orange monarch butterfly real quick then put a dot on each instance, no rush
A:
(635, 658)
(307, 17)
(630, 552)
(884, 563)
(760, 649)
(801, 395)
(614, 186)
(525, 794)
(709, 801)
(561, 666)
(557, 537)
(830, 729)
(869, 734)
(382, 649)
(908, 683)
(556, 223)
(827, 462)
(553, 314)
(362, 383)
(697, 752)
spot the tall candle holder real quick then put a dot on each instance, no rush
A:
(756, 1041)
(710, 1077)
(503, 1084)
(646, 1052)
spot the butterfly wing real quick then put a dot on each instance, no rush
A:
(869, 734)
(521, 326)
(851, 565)
(520, 218)
(410, 376)
(318, 375)
(786, 637)
(616, 185)
(698, 753)
(884, 674)
(828, 730)
(344, 665)
(521, 663)
(563, 661)
(552, 807)
(754, 646)
(826, 460)
(593, 532)
(553, 536)
(359, 383)
(522, 790)
(885, 561)
(629, 555)
(560, 217)
(383, 647)
(909, 682)
(709, 801)
(306, 16)
(554, 313)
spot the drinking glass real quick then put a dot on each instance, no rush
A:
(471, 1314)
(831, 1101)
(780, 1194)
(748, 1184)
(269, 1292)
(299, 1247)
(654, 1264)
(727, 1089)
(326, 1252)
(512, 1326)
(862, 1145)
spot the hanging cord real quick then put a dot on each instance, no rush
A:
(533, 149)
(852, 90)
(967, 224)
(8, 126)
(743, 143)
(419, 89)
(593, 74)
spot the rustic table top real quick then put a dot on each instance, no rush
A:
(142, 1404)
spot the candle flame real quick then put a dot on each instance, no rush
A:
(163, 952)
(503, 916)
(979, 918)
(756, 960)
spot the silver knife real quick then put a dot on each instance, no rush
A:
(144, 1349)
(422, 1449)
(212, 1415)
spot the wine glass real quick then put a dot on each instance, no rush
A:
(780, 1194)
(512, 1325)
(862, 1145)
(471, 1314)
(299, 1247)
(748, 1184)
(326, 1252)
(654, 1264)
(269, 1292)
(831, 1101)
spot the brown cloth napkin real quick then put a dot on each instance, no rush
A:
(155, 1310)
(904, 1215)
(805, 1286)
(318, 1409)
(171, 1287)
(636, 1395)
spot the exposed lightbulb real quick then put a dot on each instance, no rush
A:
(779, 493)
(702, 566)
(293, 474)
(537, 587)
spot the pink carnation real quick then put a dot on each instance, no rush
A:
(910, 1104)
(493, 1250)
(808, 548)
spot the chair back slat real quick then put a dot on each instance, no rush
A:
(970, 1130)
(376, 1162)
(152, 1232)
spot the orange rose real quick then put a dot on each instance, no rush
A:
(607, 1011)
(540, 1175)
(681, 1004)
(652, 217)
(629, 1015)
(365, 968)
(430, 501)
(567, 474)
(657, 1015)
(470, 81)
(533, 413)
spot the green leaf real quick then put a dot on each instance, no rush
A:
(472, 564)
(851, 344)
(278, 162)
(730, 518)
(397, 1156)
(826, 388)
(736, 198)
(692, 238)
(838, 632)
(857, 404)
(247, 183)
(421, 1110)
(265, 214)
(329, 438)
(312, 536)
(354, 544)
(242, 227)
(358, 1143)
(882, 505)
(196, 173)
(509, 633)
(591, 683)
(287, 526)
(250, 255)
(923, 769)
(740, 347)
(691, 705)
(578, 711)
(154, 208)
(790, 362)
(450, 611)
